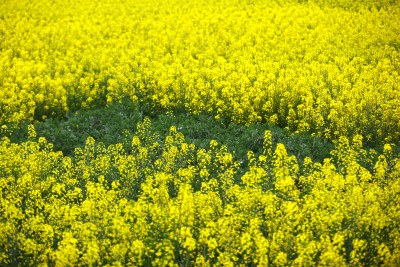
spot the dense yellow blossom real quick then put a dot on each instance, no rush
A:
(108, 206)
(326, 67)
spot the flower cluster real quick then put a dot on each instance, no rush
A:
(169, 203)
(324, 67)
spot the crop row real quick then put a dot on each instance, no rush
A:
(328, 69)
(169, 203)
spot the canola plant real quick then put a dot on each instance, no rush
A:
(168, 203)
(328, 68)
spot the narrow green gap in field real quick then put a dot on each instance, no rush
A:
(116, 123)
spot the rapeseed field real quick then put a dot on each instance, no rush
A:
(324, 69)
